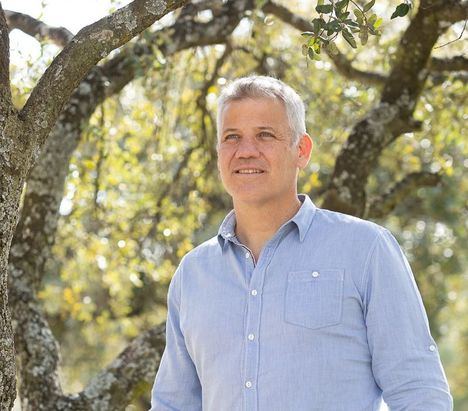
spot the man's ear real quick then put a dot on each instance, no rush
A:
(305, 149)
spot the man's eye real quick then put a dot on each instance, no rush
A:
(266, 134)
(231, 137)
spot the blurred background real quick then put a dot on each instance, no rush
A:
(142, 187)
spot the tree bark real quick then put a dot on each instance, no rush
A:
(37, 29)
(10, 191)
(384, 204)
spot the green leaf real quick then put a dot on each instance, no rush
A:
(359, 16)
(401, 10)
(344, 16)
(307, 33)
(341, 4)
(358, 13)
(332, 49)
(311, 42)
(348, 36)
(363, 35)
(333, 27)
(352, 23)
(324, 8)
(372, 19)
(378, 23)
(369, 5)
(318, 24)
(310, 53)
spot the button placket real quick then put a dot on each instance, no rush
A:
(248, 254)
(252, 348)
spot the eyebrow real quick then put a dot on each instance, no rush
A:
(228, 130)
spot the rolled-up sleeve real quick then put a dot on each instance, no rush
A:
(405, 359)
(176, 386)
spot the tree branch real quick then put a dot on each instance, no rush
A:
(342, 64)
(452, 11)
(382, 206)
(60, 36)
(138, 362)
(89, 46)
(190, 10)
(182, 35)
(389, 119)
(214, 76)
(456, 63)
(6, 104)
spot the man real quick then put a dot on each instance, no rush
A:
(291, 307)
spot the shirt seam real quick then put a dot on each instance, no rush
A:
(365, 277)
(178, 287)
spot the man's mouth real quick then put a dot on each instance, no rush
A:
(249, 171)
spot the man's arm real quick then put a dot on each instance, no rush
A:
(176, 386)
(405, 359)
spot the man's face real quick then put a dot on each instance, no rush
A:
(256, 159)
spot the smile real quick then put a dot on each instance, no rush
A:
(249, 171)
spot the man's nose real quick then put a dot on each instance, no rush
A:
(247, 147)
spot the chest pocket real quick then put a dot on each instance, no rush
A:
(314, 298)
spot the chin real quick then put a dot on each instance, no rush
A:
(252, 198)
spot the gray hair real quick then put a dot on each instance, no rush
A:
(269, 87)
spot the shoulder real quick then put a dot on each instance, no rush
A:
(196, 258)
(348, 227)
(205, 250)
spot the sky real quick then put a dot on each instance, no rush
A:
(72, 14)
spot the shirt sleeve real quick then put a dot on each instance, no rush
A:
(176, 386)
(405, 359)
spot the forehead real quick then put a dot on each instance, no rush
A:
(254, 111)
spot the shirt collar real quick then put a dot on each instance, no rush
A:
(303, 219)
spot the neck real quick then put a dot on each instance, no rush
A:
(257, 223)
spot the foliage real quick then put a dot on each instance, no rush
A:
(345, 17)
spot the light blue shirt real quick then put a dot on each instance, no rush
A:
(328, 319)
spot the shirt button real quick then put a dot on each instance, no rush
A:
(432, 347)
(248, 384)
(251, 337)
(315, 274)
(253, 292)
(247, 254)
